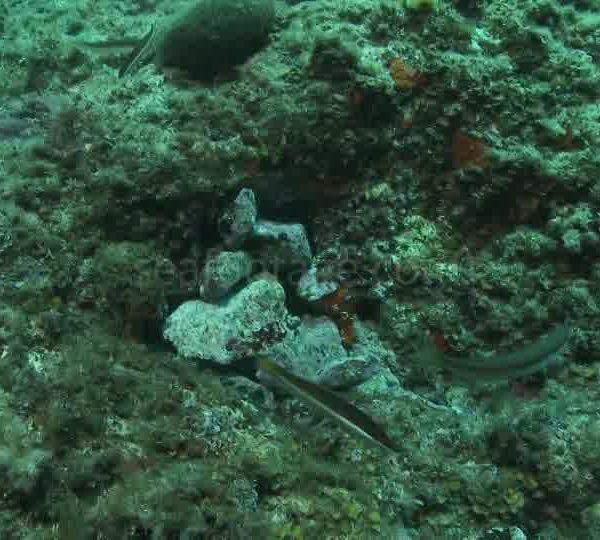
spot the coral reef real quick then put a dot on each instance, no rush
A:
(338, 185)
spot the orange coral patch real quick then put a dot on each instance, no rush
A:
(468, 151)
(404, 75)
(341, 311)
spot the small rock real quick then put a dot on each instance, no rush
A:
(310, 349)
(238, 220)
(311, 289)
(223, 272)
(286, 244)
(314, 351)
(352, 372)
(254, 318)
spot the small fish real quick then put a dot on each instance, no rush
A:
(346, 415)
(525, 361)
(142, 50)
(141, 54)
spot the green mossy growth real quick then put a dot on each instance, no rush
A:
(131, 281)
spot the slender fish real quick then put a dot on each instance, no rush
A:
(346, 415)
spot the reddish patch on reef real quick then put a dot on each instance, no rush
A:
(404, 75)
(468, 151)
(440, 341)
(338, 307)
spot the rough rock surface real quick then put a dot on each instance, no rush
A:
(224, 333)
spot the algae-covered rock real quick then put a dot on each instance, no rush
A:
(282, 244)
(216, 35)
(314, 351)
(224, 333)
(237, 221)
(223, 273)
